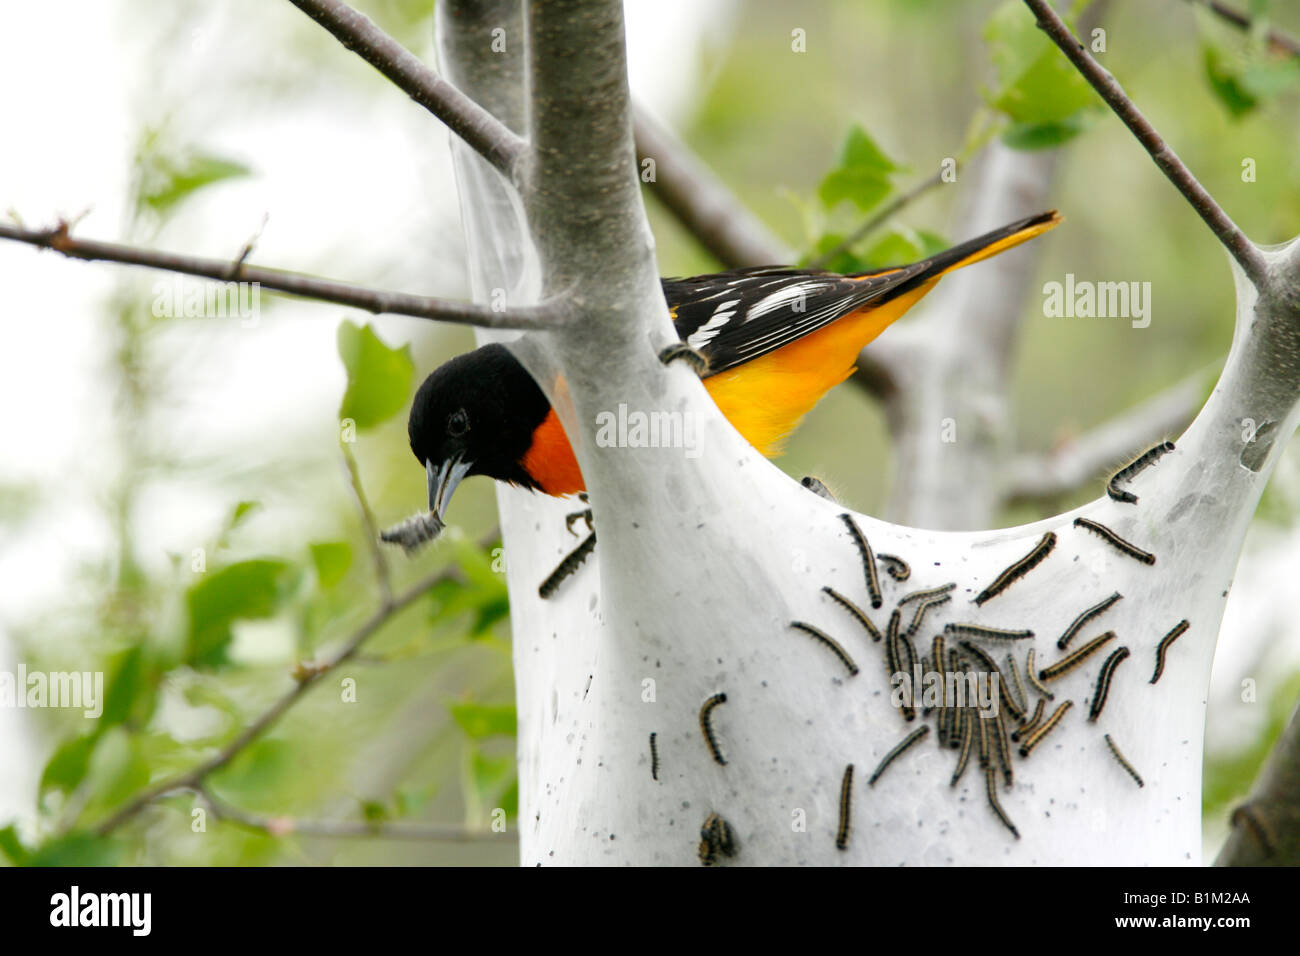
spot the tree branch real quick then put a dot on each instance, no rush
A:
(368, 526)
(702, 203)
(1276, 39)
(723, 225)
(545, 315)
(1266, 828)
(282, 826)
(305, 677)
(473, 124)
(1248, 256)
(1044, 477)
(582, 194)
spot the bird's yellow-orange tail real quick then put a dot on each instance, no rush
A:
(985, 246)
(765, 399)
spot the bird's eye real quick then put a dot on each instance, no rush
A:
(458, 423)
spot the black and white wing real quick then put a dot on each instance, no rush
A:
(734, 317)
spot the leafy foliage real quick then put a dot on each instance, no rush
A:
(1246, 76)
(379, 377)
(1037, 89)
(246, 590)
(169, 176)
(862, 176)
(331, 560)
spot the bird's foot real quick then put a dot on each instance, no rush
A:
(573, 518)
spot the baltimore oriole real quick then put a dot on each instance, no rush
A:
(775, 340)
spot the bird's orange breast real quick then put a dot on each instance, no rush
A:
(550, 459)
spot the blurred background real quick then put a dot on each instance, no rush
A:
(174, 508)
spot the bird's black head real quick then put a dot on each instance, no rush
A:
(475, 415)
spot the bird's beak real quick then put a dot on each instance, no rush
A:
(443, 479)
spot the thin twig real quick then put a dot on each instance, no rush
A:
(487, 136)
(281, 826)
(237, 267)
(1276, 39)
(709, 211)
(1248, 256)
(1043, 477)
(306, 677)
(368, 526)
(545, 315)
(887, 212)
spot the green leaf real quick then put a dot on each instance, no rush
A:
(108, 764)
(1244, 74)
(863, 175)
(489, 613)
(238, 515)
(1268, 78)
(845, 261)
(485, 720)
(66, 768)
(247, 590)
(164, 754)
(1035, 83)
(12, 847)
(494, 782)
(509, 800)
(1047, 134)
(167, 180)
(897, 247)
(379, 377)
(488, 603)
(131, 689)
(116, 770)
(77, 849)
(1224, 76)
(901, 246)
(332, 560)
(476, 565)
